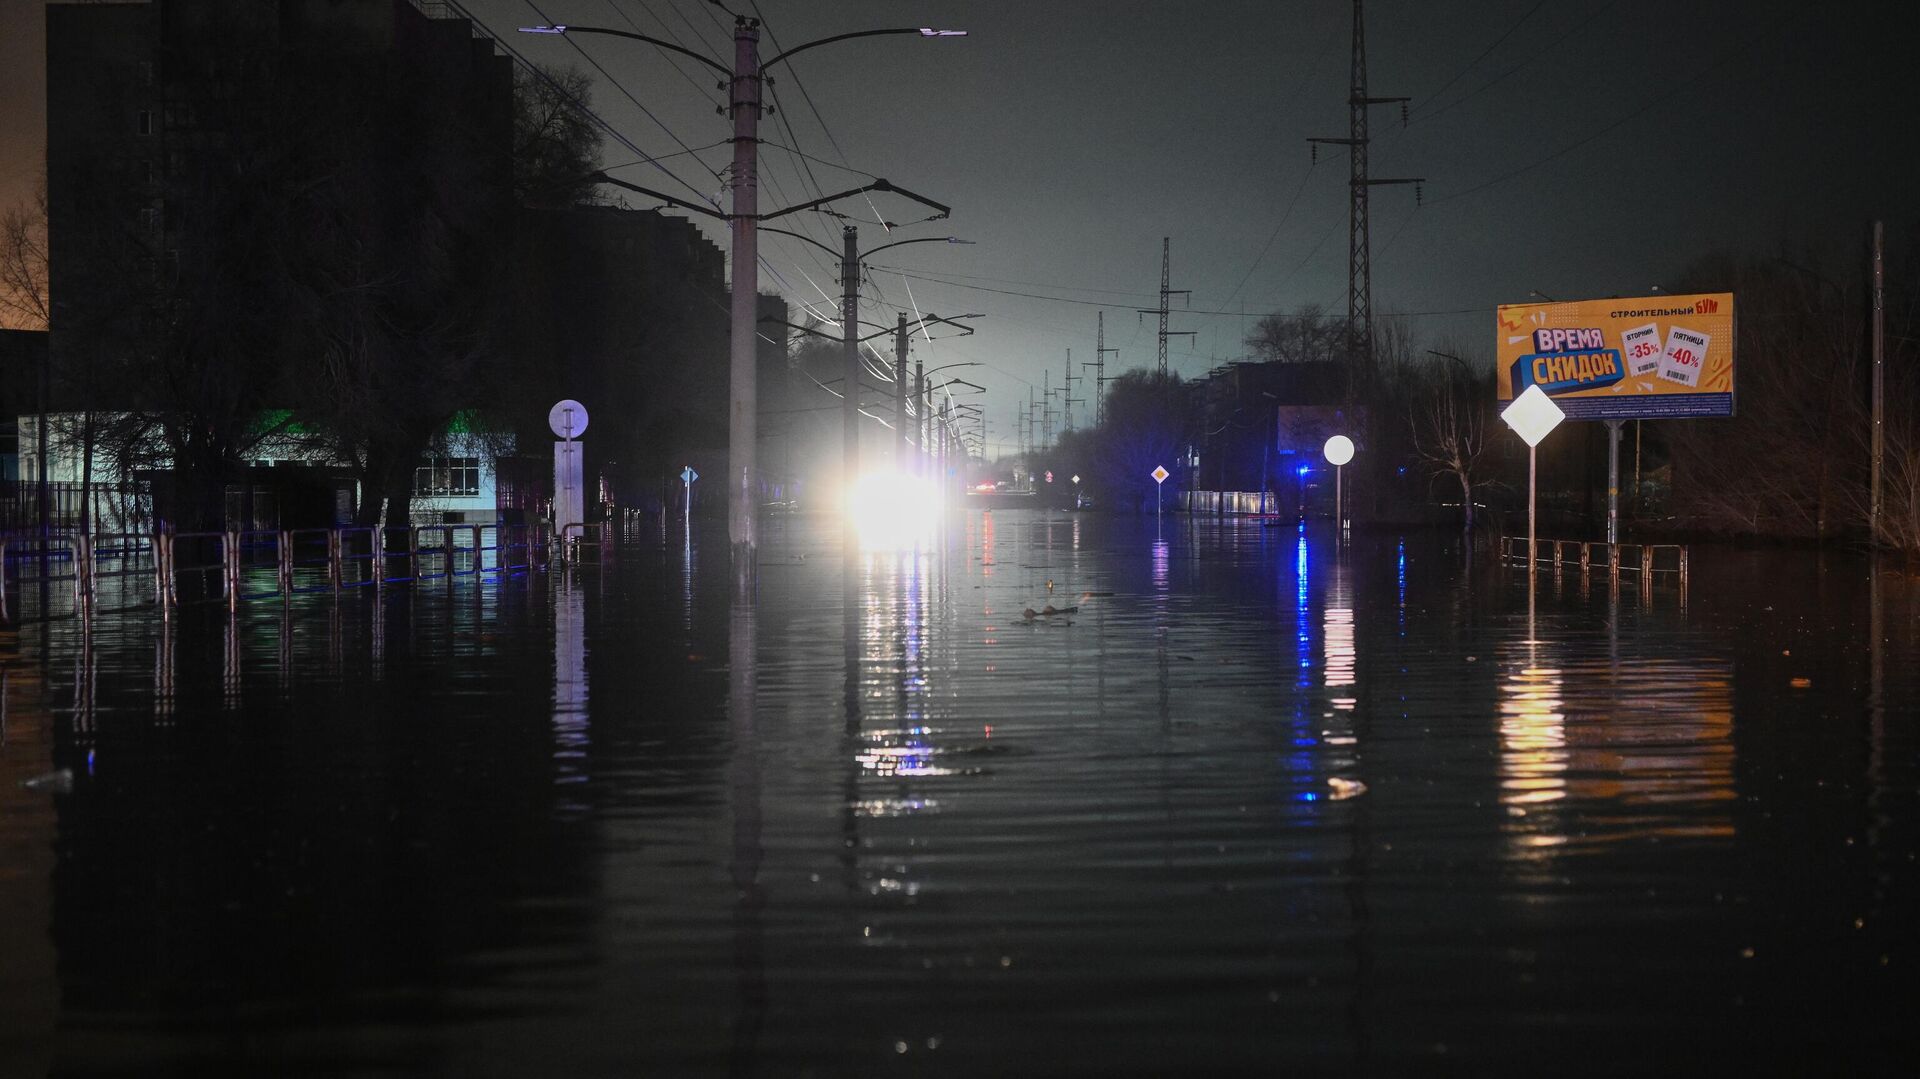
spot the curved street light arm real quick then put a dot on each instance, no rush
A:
(601, 177)
(831, 251)
(968, 363)
(829, 336)
(921, 30)
(876, 185)
(668, 45)
(922, 240)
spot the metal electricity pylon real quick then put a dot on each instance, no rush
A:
(1099, 366)
(1166, 271)
(1359, 266)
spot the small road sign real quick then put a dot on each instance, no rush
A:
(688, 475)
(568, 419)
(1160, 473)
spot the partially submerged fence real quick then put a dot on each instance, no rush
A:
(237, 566)
(1648, 560)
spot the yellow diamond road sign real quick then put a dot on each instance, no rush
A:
(1160, 473)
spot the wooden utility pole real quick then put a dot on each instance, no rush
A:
(1879, 376)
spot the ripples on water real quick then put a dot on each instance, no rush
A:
(1250, 803)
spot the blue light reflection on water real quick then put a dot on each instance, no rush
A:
(1148, 873)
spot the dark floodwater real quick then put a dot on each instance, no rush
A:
(1258, 806)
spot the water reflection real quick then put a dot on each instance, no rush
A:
(1259, 833)
(744, 786)
(572, 723)
(1586, 724)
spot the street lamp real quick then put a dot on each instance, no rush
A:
(1532, 415)
(744, 80)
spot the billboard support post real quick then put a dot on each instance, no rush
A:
(1613, 481)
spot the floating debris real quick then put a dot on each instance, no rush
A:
(58, 781)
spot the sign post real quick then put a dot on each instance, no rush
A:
(1338, 451)
(568, 419)
(1532, 415)
(1159, 475)
(687, 476)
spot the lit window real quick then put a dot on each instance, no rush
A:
(447, 477)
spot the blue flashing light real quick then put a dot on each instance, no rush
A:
(1307, 796)
(1303, 470)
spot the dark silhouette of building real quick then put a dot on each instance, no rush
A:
(247, 198)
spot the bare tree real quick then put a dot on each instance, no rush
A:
(1450, 419)
(24, 301)
(1309, 335)
(555, 143)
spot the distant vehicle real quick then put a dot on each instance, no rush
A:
(1082, 500)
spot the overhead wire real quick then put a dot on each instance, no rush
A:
(1670, 91)
(628, 94)
(585, 110)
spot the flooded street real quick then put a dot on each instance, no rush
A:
(1252, 802)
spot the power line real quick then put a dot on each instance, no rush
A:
(538, 72)
(1186, 311)
(1484, 53)
(1659, 99)
(1532, 55)
(617, 85)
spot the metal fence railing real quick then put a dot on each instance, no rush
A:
(242, 565)
(1648, 560)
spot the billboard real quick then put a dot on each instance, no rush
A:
(1652, 357)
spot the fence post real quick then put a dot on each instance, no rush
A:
(83, 571)
(446, 551)
(1586, 559)
(230, 567)
(286, 564)
(160, 568)
(1683, 568)
(333, 557)
(1646, 562)
(3, 578)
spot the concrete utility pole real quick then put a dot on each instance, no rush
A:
(1166, 271)
(744, 107)
(1359, 267)
(900, 393)
(1879, 377)
(849, 357)
(743, 406)
(920, 420)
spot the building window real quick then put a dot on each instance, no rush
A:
(447, 477)
(143, 122)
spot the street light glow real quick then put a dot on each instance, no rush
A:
(926, 31)
(893, 511)
(543, 29)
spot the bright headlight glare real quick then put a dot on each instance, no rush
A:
(893, 510)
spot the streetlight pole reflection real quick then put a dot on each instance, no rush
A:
(744, 796)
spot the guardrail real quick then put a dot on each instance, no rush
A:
(1649, 560)
(238, 565)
